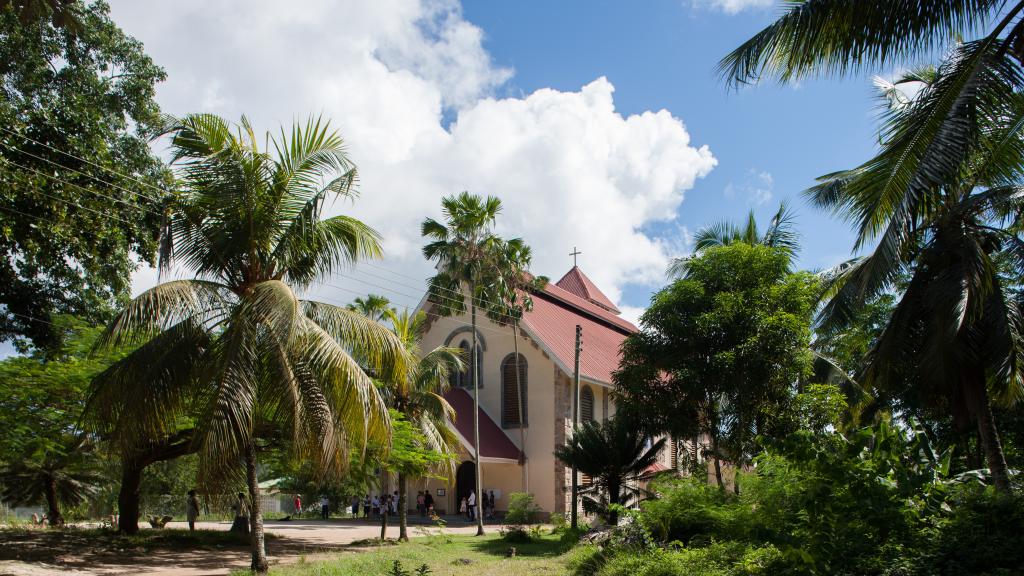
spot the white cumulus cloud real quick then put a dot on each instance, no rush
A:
(735, 6)
(570, 169)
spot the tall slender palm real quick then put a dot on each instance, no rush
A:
(957, 322)
(467, 253)
(780, 234)
(616, 454)
(420, 395)
(374, 306)
(513, 288)
(236, 340)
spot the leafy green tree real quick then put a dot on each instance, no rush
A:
(938, 224)
(720, 350)
(60, 13)
(81, 196)
(615, 454)
(235, 338)
(468, 254)
(43, 393)
(780, 234)
(419, 399)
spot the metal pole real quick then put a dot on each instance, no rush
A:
(576, 420)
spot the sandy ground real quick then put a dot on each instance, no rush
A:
(295, 539)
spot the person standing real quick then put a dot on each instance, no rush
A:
(428, 502)
(354, 503)
(376, 506)
(420, 509)
(463, 508)
(490, 504)
(366, 506)
(241, 508)
(325, 507)
(192, 510)
(298, 504)
(471, 504)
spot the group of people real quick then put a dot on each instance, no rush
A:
(468, 505)
(424, 503)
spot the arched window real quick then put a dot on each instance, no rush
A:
(464, 379)
(511, 399)
(586, 404)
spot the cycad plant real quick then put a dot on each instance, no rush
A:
(943, 218)
(780, 235)
(419, 397)
(235, 346)
(615, 454)
(468, 254)
(61, 478)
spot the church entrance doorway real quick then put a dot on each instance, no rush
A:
(465, 481)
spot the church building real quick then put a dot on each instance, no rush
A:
(517, 445)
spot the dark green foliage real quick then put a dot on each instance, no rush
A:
(983, 535)
(614, 453)
(80, 198)
(521, 509)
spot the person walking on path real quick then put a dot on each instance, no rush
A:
(241, 508)
(192, 510)
(471, 504)
(325, 507)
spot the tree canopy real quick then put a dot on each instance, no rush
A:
(80, 192)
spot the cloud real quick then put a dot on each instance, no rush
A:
(734, 6)
(568, 167)
(757, 188)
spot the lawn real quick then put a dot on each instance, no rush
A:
(444, 555)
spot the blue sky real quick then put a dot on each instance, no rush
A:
(663, 54)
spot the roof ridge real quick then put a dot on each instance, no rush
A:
(576, 282)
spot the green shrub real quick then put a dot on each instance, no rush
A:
(521, 509)
(718, 559)
(982, 535)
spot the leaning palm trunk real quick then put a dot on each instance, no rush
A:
(519, 399)
(988, 437)
(259, 563)
(476, 416)
(53, 514)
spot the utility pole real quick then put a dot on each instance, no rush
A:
(576, 420)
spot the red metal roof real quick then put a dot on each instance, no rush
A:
(576, 282)
(495, 443)
(553, 320)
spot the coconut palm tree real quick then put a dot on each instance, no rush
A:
(467, 253)
(374, 306)
(236, 340)
(615, 454)
(513, 287)
(941, 244)
(419, 397)
(780, 234)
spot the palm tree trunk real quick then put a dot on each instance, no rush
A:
(519, 398)
(476, 411)
(384, 506)
(259, 563)
(718, 461)
(989, 437)
(403, 512)
(53, 515)
(128, 498)
(614, 491)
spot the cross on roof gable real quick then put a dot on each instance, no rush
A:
(576, 282)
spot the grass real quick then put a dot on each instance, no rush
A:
(444, 555)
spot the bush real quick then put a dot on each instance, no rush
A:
(982, 535)
(521, 509)
(718, 559)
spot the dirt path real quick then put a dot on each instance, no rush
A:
(294, 539)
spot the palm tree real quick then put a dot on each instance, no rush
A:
(513, 287)
(419, 397)
(236, 340)
(941, 245)
(780, 235)
(64, 477)
(615, 454)
(820, 37)
(374, 306)
(467, 253)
